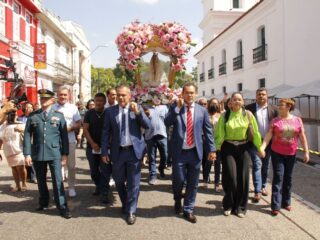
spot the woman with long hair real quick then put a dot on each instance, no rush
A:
(214, 110)
(284, 130)
(235, 128)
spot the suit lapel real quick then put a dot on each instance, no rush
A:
(117, 117)
(183, 116)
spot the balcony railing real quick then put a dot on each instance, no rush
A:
(211, 73)
(62, 72)
(223, 69)
(237, 62)
(260, 53)
(202, 77)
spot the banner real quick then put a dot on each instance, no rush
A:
(40, 56)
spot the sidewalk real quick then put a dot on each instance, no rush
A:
(155, 215)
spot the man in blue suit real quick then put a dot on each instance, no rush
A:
(189, 121)
(123, 145)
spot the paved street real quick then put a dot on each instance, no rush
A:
(156, 220)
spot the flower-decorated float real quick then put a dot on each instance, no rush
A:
(170, 39)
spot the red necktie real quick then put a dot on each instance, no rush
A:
(189, 127)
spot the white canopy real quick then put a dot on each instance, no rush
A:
(309, 89)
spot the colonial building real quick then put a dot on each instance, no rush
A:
(81, 60)
(59, 53)
(24, 24)
(18, 36)
(268, 43)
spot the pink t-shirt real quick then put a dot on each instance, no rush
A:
(285, 135)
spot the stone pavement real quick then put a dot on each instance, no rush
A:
(156, 218)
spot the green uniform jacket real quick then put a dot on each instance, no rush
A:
(46, 139)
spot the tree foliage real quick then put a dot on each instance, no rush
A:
(104, 78)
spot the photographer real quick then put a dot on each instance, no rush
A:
(11, 137)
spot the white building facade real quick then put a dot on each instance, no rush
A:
(60, 48)
(267, 43)
(81, 60)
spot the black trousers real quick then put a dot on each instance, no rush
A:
(235, 176)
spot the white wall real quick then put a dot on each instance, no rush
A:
(302, 39)
(246, 30)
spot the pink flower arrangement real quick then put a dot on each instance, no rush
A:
(134, 39)
(154, 96)
(131, 43)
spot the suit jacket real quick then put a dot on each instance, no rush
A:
(201, 124)
(272, 110)
(46, 139)
(111, 132)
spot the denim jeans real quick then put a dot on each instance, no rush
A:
(282, 180)
(260, 168)
(100, 172)
(159, 142)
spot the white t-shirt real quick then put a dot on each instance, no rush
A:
(71, 114)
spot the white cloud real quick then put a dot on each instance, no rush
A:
(150, 2)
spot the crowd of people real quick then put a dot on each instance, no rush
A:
(188, 134)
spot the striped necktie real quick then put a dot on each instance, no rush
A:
(190, 139)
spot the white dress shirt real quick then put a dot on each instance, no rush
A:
(262, 120)
(185, 145)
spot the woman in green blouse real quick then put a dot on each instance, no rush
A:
(232, 133)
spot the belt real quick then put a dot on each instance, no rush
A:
(237, 142)
(189, 149)
(126, 147)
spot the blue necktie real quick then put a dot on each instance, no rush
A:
(123, 127)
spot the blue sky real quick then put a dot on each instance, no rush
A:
(103, 20)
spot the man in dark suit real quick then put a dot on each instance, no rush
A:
(46, 143)
(123, 144)
(264, 113)
(189, 122)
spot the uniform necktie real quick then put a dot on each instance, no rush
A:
(189, 127)
(45, 114)
(123, 125)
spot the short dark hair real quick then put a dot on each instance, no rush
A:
(100, 95)
(109, 90)
(190, 84)
(262, 89)
(88, 103)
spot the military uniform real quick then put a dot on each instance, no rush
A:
(46, 140)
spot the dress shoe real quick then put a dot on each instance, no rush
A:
(96, 192)
(256, 198)
(41, 208)
(190, 217)
(161, 171)
(275, 212)
(131, 219)
(65, 213)
(177, 207)
(104, 198)
(264, 192)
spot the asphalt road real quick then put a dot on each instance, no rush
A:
(156, 218)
